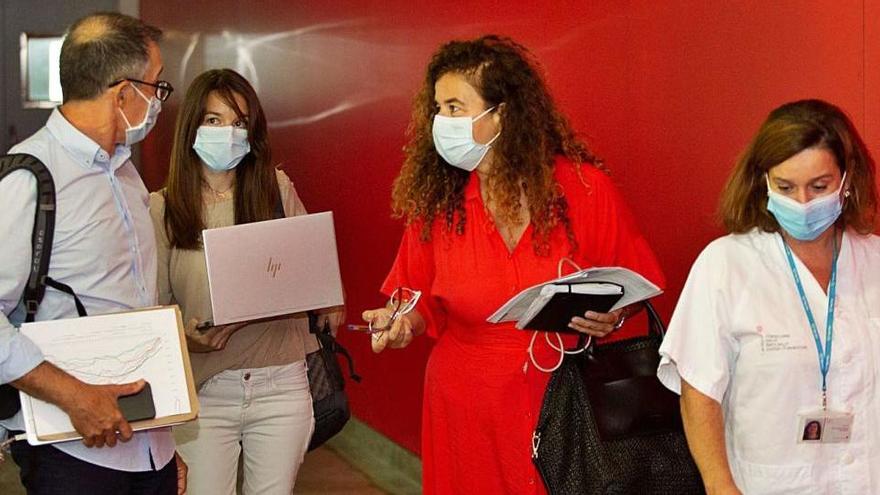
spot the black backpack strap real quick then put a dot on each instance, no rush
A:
(80, 309)
(42, 236)
(44, 227)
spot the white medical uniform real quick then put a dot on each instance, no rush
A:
(740, 336)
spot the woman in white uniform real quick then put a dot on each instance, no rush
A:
(778, 326)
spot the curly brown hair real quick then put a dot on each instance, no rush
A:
(788, 130)
(533, 133)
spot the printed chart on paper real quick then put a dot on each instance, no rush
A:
(114, 349)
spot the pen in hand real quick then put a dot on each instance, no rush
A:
(365, 328)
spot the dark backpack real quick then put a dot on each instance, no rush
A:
(41, 242)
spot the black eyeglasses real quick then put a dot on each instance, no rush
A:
(163, 88)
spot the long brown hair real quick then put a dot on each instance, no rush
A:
(788, 130)
(533, 133)
(256, 187)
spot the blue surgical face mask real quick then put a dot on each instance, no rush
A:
(805, 221)
(454, 141)
(136, 134)
(221, 148)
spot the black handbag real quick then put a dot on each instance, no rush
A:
(327, 385)
(608, 426)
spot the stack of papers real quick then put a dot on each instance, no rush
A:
(605, 283)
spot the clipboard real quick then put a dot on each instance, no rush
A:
(121, 347)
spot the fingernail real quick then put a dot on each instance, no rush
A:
(591, 314)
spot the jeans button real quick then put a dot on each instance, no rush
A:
(247, 376)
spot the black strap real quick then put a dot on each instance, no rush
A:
(324, 335)
(80, 309)
(655, 325)
(44, 227)
(325, 339)
(337, 348)
(279, 206)
(42, 236)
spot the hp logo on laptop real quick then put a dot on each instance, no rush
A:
(273, 268)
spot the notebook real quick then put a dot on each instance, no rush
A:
(558, 303)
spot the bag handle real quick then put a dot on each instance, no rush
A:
(323, 335)
(326, 340)
(655, 325)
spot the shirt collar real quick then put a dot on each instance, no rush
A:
(84, 151)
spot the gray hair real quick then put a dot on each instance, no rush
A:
(103, 48)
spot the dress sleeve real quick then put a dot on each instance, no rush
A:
(611, 233)
(414, 268)
(163, 248)
(698, 348)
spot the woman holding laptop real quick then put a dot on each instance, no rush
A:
(495, 191)
(253, 387)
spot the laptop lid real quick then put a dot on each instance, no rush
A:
(272, 268)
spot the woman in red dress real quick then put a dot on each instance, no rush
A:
(495, 190)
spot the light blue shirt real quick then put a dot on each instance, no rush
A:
(104, 248)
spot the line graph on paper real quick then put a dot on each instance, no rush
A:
(110, 368)
(115, 349)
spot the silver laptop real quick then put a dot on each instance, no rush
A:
(272, 268)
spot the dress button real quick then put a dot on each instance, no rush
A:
(531, 481)
(847, 458)
(247, 376)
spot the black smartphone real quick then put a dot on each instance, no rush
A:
(139, 406)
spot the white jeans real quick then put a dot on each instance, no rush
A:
(264, 413)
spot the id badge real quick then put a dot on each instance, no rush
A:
(824, 426)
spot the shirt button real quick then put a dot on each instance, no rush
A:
(247, 376)
(531, 481)
(847, 458)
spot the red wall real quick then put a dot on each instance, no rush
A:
(667, 92)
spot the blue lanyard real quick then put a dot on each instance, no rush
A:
(824, 354)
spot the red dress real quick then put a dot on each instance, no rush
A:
(482, 393)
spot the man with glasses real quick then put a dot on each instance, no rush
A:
(103, 248)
